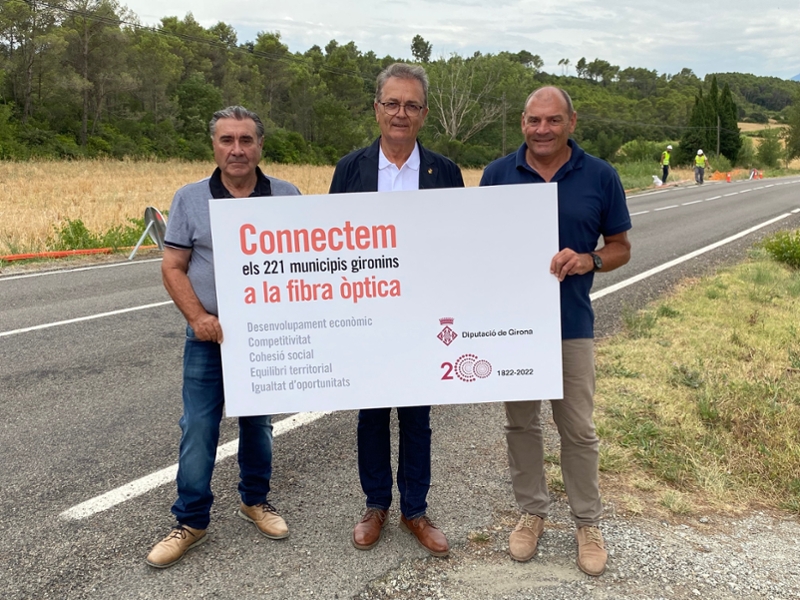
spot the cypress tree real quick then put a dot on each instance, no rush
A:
(694, 136)
(702, 130)
(730, 141)
(712, 111)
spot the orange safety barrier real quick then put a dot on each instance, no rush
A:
(720, 175)
(62, 253)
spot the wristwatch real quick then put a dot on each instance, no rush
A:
(598, 262)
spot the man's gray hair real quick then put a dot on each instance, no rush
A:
(239, 113)
(563, 92)
(402, 71)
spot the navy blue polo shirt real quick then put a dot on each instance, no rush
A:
(591, 203)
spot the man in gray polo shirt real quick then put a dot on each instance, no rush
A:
(237, 136)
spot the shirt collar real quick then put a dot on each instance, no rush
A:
(575, 160)
(412, 162)
(218, 189)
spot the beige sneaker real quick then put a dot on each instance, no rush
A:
(592, 555)
(525, 537)
(266, 519)
(172, 548)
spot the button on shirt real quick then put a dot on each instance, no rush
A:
(392, 179)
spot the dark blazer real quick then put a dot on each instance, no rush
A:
(358, 171)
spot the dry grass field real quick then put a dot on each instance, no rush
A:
(35, 196)
(759, 126)
(38, 196)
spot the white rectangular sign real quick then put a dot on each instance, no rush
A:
(388, 299)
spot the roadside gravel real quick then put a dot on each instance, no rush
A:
(711, 558)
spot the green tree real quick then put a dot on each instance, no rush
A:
(605, 146)
(792, 134)
(273, 62)
(694, 136)
(747, 153)
(713, 121)
(730, 139)
(769, 150)
(198, 100)
(420, 49)
(28, 30)
(97, 53)
(580, 67)
(157, 69)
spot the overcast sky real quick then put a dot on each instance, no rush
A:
(665, 35)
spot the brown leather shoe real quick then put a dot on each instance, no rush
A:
(173, 547)
(367, 531)
(266, 519)
(524, 539)
(428, 535)
(592, 555)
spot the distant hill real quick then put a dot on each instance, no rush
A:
(796, 77)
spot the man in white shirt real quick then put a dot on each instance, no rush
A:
(397, 161)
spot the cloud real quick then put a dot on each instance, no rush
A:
(735, 36)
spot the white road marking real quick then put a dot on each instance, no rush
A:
(86, 318)
(731, 194)
(689, 203)
(795, 211)
(713, 198)
(644, 212)
(745, 191)
(768, 186)
(650, 194)
(92, 268)
(150, 482)
(668, 265)
(665, 207)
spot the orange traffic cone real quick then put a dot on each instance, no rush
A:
(728, 178)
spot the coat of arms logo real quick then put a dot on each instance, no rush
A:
(447, 335)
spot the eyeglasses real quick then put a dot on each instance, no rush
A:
(392, 108)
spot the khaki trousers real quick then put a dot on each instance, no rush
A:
(579, 443)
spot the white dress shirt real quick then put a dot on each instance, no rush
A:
(392, 179)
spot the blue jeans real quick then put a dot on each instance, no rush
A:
(203, 399)
(413, 465)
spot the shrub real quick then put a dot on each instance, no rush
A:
(784, 247)
(640, 151)
(770, 150)
(74, 235)
(758, 117)
(66, 147)
(721, 163)
(747, 153)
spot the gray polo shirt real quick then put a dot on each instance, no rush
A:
(189, 227)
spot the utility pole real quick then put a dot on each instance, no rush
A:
(718, 124)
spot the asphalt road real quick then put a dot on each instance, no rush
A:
(92, 404)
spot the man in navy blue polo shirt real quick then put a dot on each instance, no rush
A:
(591, 203)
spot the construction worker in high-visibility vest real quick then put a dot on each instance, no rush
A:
(700, 164)
(665, 163)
